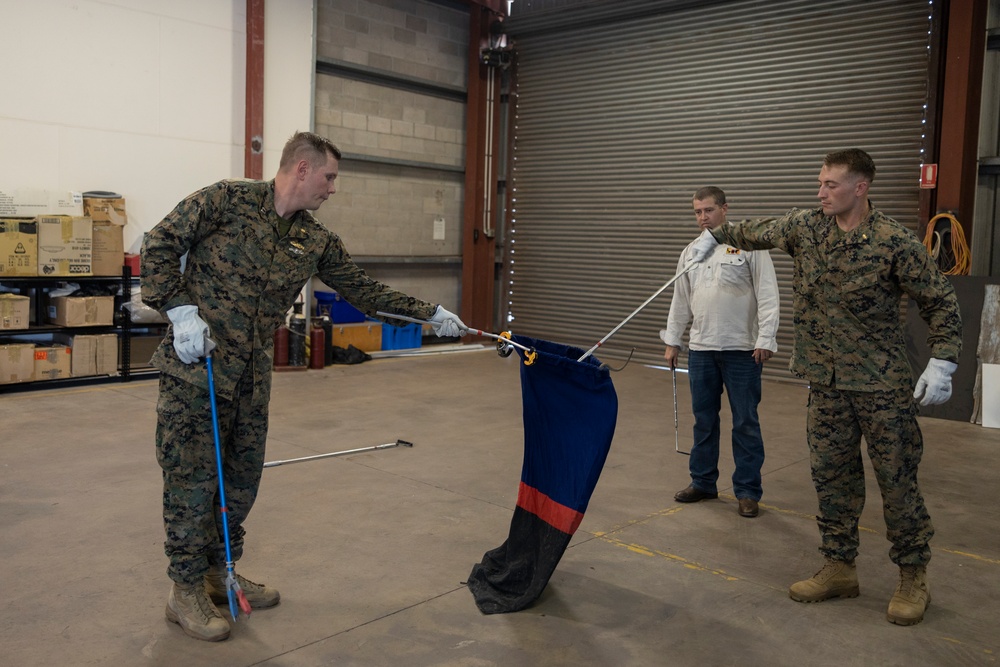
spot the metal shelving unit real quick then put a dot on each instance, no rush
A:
(122, 325)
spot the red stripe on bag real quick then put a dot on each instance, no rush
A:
(551, 512)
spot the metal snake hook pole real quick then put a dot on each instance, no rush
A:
(234, 594)
(635, 312)
(677, 446)
(474, 332)
(404, 443)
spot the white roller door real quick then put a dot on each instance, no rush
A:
(623, 109)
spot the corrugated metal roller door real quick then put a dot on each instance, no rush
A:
(617, 125)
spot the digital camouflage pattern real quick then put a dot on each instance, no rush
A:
(244, 277)
(185, 450)
(849, 345)
(887, 420)
(847, 293)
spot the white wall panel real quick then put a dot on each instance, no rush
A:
(143, 98)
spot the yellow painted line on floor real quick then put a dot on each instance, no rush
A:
(779, 510)
(646, 551)
(606, 535)
(982, 559)
(635, 522)
(959, 642)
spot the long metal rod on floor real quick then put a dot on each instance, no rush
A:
(398, 443)
(635, 312)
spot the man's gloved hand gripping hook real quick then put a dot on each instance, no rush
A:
(446, 323)
(702, 247)
(191, 341)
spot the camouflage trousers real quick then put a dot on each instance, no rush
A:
(185, 450)
(887, 419)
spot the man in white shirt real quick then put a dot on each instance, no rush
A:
(731, 302)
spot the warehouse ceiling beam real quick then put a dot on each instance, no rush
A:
(253, 152)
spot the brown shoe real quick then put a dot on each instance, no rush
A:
(748, 507)
(191, 608)
(837, 579)
(911, 598)
(693, 495)
(258, 595)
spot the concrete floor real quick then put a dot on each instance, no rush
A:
(370, 551)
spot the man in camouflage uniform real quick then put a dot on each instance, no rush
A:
(250, 246)
(852, 266)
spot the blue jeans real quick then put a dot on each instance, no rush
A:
(708, 373)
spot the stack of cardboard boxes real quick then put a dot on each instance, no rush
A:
(62, 236)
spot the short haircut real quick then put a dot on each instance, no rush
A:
(856, 160)
(711, 191)
(307, 146)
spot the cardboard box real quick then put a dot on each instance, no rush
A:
(105, 209)
(17, 363)
(93, 354)
(53, 363)
(108, 255)
(141, 349)
(106, 354)
(366, 336)
(29, 202)
(65, 244)
(18, 247)
(14, 311)
(82, 311)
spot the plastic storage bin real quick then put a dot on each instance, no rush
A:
(339, 311)
(401, 338)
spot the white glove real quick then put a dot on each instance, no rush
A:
(702, 247)
(446, 323)
(191, 340)
(935, 382)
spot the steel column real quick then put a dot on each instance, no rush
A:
(253, 155)
(482, 115)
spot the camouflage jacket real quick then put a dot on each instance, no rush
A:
(244, 278)
(847, 289)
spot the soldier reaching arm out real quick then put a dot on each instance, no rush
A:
(853, 264)
(251, 246)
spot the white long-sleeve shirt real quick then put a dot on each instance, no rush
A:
(730, 300)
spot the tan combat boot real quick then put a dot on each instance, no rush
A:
(258, 595)
(190, 608)
(837, 579)
(912, 596)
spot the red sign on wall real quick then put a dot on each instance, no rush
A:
(928, 176)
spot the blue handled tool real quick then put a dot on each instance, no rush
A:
(237, 598)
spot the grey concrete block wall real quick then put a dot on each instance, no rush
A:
(386, 210)
(380, 121)
(420, 39)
